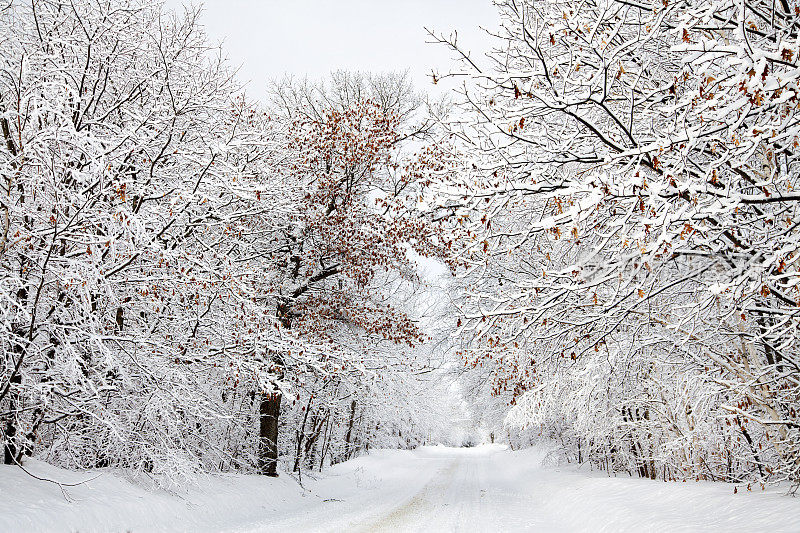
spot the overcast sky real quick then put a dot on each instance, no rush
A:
(270, 38)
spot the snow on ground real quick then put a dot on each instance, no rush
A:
(429, 489)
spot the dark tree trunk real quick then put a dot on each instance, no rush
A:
(636, 448)
(11, 446)
(750, 443)
(312, 440)
(269, 410)
(301, 436)
(325, 442)
(349, 434)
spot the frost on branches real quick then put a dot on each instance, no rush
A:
(349, 239)
(172, 256)
(634, 228)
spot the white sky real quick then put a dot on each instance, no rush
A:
(270, 38)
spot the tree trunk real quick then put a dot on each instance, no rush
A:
(10, 443)
(269, 410)
(325, 441)
(312, 440)
(349, 433)
(301, 435)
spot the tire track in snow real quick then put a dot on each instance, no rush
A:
(450, 502)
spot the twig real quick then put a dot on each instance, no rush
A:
(60, 485)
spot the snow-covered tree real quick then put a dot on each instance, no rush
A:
(126, 161)
(355, 227)
(634, 230)
(174, 258)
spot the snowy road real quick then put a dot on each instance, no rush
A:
(449, 502)
(442, 489)
(491, 489)
(431, 489)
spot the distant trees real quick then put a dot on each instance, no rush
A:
(175, 259)
(633, 213)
